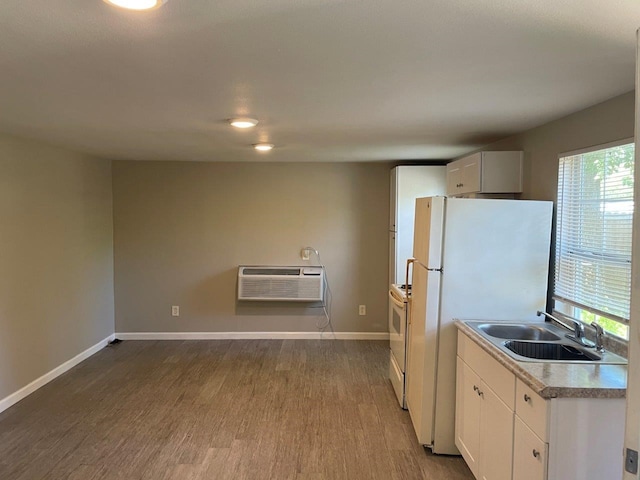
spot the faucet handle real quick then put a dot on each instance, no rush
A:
(599, 336)
(578, 328)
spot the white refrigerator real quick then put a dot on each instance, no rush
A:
(474, 259)
(409, 182)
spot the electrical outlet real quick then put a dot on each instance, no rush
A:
(175, 311)
(305, 254)
(631, 461)
(362, 310)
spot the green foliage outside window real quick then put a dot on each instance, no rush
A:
(610, 326)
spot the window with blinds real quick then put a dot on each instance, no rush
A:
(593, 236)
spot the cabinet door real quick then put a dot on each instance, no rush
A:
(454, 177)
(529, 454)
(468, 405)
(502, 172)
(471, 174)
(496, 433)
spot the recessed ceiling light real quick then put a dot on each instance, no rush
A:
(243, 122)
(263, 147)
(137, 4)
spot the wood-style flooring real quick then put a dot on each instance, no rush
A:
(232, 409)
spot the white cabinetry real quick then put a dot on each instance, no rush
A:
(529, 454)
(485, 172)
(468, 406)
(505, 430)
(484, 413)
(567, 438)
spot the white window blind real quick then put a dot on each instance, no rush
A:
(594, 225)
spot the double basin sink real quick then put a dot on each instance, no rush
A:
(540, 342)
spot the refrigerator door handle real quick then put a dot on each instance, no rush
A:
(406, 285)
(406, 279)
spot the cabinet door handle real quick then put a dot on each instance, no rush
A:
(527, 398)
(536, 453)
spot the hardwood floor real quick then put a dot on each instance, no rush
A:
(236, 409)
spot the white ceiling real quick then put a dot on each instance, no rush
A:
(330, 80)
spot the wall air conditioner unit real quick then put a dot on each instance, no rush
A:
(289, 284)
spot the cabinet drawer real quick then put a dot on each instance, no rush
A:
(532, 409)
(529, 454)
(497, 377)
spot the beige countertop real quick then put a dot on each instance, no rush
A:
(552, 380)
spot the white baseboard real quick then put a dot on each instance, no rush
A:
(251, 335)
(56, 372)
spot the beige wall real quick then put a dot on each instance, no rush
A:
(56, 258)
(182, 229)
(603, 123)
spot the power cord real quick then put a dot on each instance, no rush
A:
(326, 305)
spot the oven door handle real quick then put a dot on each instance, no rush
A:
(395, 300)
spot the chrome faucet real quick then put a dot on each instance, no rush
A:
(599, 336)
(578, 329)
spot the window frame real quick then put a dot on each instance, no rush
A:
(566, 306)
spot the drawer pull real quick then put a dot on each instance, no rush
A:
(536, 453)
(527, 398)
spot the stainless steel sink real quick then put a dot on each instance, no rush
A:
(517, 332)
(551, 351)
(540, 342)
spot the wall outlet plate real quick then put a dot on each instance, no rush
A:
(631, 461)
(175, 311)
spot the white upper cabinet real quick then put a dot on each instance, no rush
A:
(486, 173)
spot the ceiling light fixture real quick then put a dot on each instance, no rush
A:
(243, 122)
(263, 147)
(137, 4)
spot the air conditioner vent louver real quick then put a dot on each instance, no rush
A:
(300, 284)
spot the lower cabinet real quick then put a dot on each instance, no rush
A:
(529, 454)
(496, 427)
(484, 422)
(506, 431)
(468, 414)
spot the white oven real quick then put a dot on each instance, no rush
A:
(398, 318)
